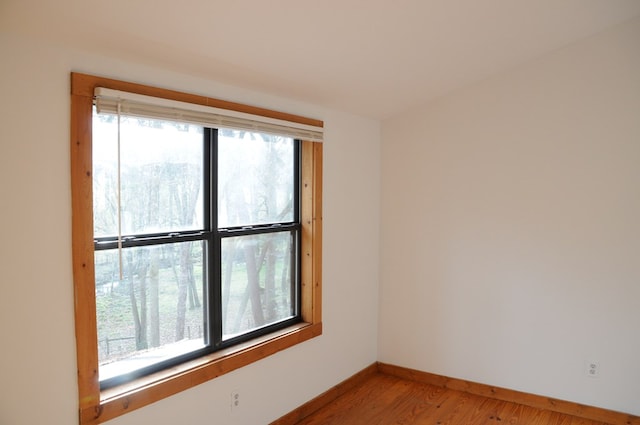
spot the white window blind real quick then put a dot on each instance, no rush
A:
(114, 101)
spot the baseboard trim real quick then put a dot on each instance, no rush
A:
(532, 400)
(327, 397)
(540, 402)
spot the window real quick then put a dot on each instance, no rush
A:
(196, 247)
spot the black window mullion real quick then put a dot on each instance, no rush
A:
(214, 270)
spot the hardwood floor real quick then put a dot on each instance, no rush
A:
(384, 399)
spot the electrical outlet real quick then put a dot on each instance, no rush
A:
(593, 369)
(235, 400)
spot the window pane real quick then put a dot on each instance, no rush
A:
(155, 312)
(255, 173)
(161, 175)
(257, 279)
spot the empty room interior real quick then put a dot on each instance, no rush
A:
(473, 216)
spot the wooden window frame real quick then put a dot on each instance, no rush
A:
(96, 406)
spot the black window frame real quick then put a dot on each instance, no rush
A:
(212, 236)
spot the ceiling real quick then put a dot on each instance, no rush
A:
(375, 58)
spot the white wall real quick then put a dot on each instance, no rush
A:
(511, 228)
(37, 358)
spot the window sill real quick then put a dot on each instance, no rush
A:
(149, 389)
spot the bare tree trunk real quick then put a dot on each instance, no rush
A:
(186, 200)
(270, 286)
(139, 316)
(184, 279)
(270, 255)
(253, 290)
(143, 307)
(240, 312)
(194, 300)
(154, 259)
(154, 300)
(286, 278)
(227, 270)
(253, 284)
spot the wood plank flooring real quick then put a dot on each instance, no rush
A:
(384, 399)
